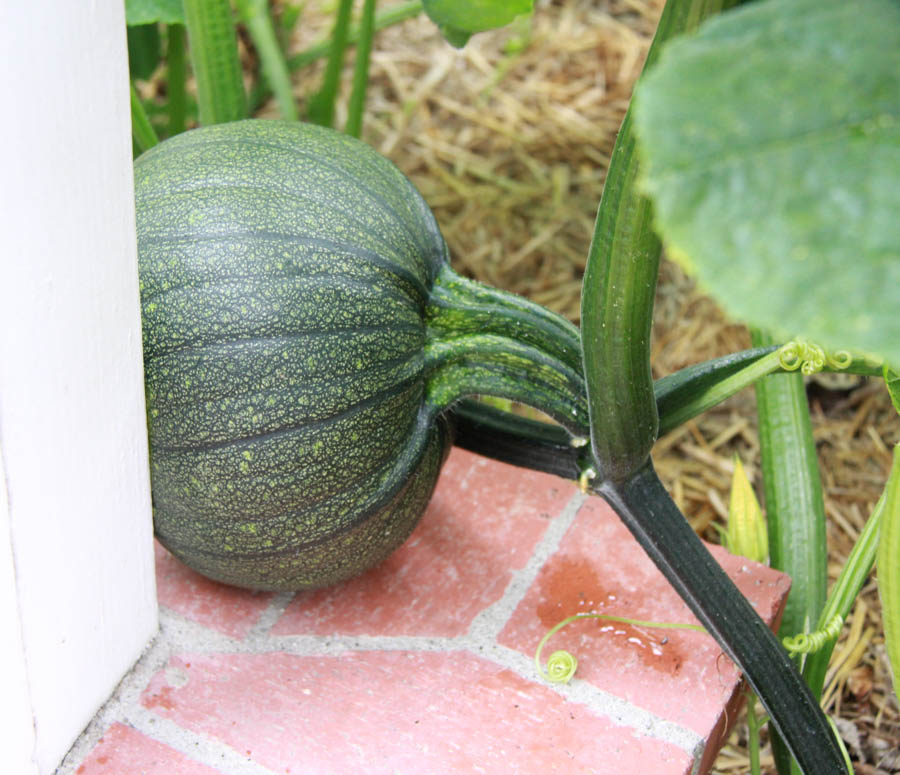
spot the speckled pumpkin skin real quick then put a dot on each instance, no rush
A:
(285, 271)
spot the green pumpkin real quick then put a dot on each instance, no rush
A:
(304, 338)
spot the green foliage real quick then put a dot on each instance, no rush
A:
(459, 19)
(153, 11)
(772, 148)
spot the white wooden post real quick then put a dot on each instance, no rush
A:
(77, 595)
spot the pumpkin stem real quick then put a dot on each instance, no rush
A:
(458, 305)
(492, 365)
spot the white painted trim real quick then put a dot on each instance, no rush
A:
(75, 524)
(16, 723)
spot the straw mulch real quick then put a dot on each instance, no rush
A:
(509, 139)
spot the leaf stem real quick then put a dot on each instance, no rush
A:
(176, 78)
(255, 14)
(386, 18)
(214, 57)
(141, 128)
(320, 109)
(653, 518)
(357, 104)
(795, 509)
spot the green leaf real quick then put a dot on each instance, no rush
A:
(454, 36)
(771, 142)
(153, 11)
(457, 19)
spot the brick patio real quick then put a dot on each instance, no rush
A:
(425, 664)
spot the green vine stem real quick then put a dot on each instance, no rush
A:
(754, 724)
(141, 129)
(176, 78)
(255, 14)
(844, 592)
(653, 518)
(688, 396)
(617, 305)
(357, 104)
(386, 18)
(543, 447)
(214, 58)
(320, 109)
(795, 509)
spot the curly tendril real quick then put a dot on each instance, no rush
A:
(839, 359)
(809, 642)
(803, 355)
(561, 664)
(811, 358)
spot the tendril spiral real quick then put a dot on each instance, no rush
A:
(811, 358)
(839, 359)
(810, 642)
(561, 665)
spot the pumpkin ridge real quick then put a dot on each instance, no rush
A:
(356, 182)
(422, 293)
(245, 440)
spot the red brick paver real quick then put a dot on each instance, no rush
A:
(125, 751)
(424, 665)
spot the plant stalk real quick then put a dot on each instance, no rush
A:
(486, 364)
(176, 78)
(214, 58)
(655, 521)
(255, 14)
(141, 129)
(795, 509)
(617, 305)
(320, 109)
(357, 104)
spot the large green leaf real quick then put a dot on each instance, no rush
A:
(153, 11)
(458, 19)
(771, 142)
